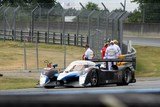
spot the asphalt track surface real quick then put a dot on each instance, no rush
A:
(143, 93)
(144, 41)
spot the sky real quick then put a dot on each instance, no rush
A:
(110, 4)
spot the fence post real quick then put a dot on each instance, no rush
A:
(54, 37)
(45, 37)
(87, 40)
(81, 40)
(61, 38)
(75, 39)
(38, 37)
(29, 38)
(68, 39)
(12, 34)
(21, 36)
(37, 54)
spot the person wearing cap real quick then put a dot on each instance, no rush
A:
(88, 53)
(117, 46)
(103, 50)
(111, 53)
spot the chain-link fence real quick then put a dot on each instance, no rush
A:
(59, 25)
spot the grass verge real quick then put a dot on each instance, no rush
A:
(16, 83)
(12, 55)
(148, 61)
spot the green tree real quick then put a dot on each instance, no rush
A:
(135, 16)
(46, 3)
(150, 10)
(43, 3)
(92, 6)
(146, 1)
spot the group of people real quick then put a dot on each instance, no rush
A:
(110, 50)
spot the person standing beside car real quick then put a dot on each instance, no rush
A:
(88, 53)
(111, 53)
(103, 50)
(117, 46)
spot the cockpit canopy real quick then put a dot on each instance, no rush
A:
(79, 65)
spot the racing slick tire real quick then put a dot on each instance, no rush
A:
(126, 77)
(49, 87)
(94, 78)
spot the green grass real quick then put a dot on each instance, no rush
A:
(11, 55)
(148, 61)
(16, 83)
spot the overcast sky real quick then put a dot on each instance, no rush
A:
(110, 4)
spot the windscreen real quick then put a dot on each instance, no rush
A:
(78, 66)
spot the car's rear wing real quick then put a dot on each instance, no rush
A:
(130, 60)
(114, 60)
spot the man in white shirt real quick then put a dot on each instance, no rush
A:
(118, 48)
(111, 53)
(88, 53)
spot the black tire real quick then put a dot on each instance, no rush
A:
(94, 78)
(127, 75)
(49, 86)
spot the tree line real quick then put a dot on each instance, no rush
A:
(43, 3)
(148, 11)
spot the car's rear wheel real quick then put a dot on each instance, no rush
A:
(94, 78)
(126, 77)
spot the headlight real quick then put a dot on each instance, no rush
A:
(43, 80)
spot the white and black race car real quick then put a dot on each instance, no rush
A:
(89, 73)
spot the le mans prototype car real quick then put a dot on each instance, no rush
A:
(88, 73)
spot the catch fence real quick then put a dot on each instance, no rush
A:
(58, 25)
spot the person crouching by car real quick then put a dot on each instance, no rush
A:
(88, 53)
(111, 53)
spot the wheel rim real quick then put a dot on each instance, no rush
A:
(94, 79)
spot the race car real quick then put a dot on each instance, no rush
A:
(88, 73)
